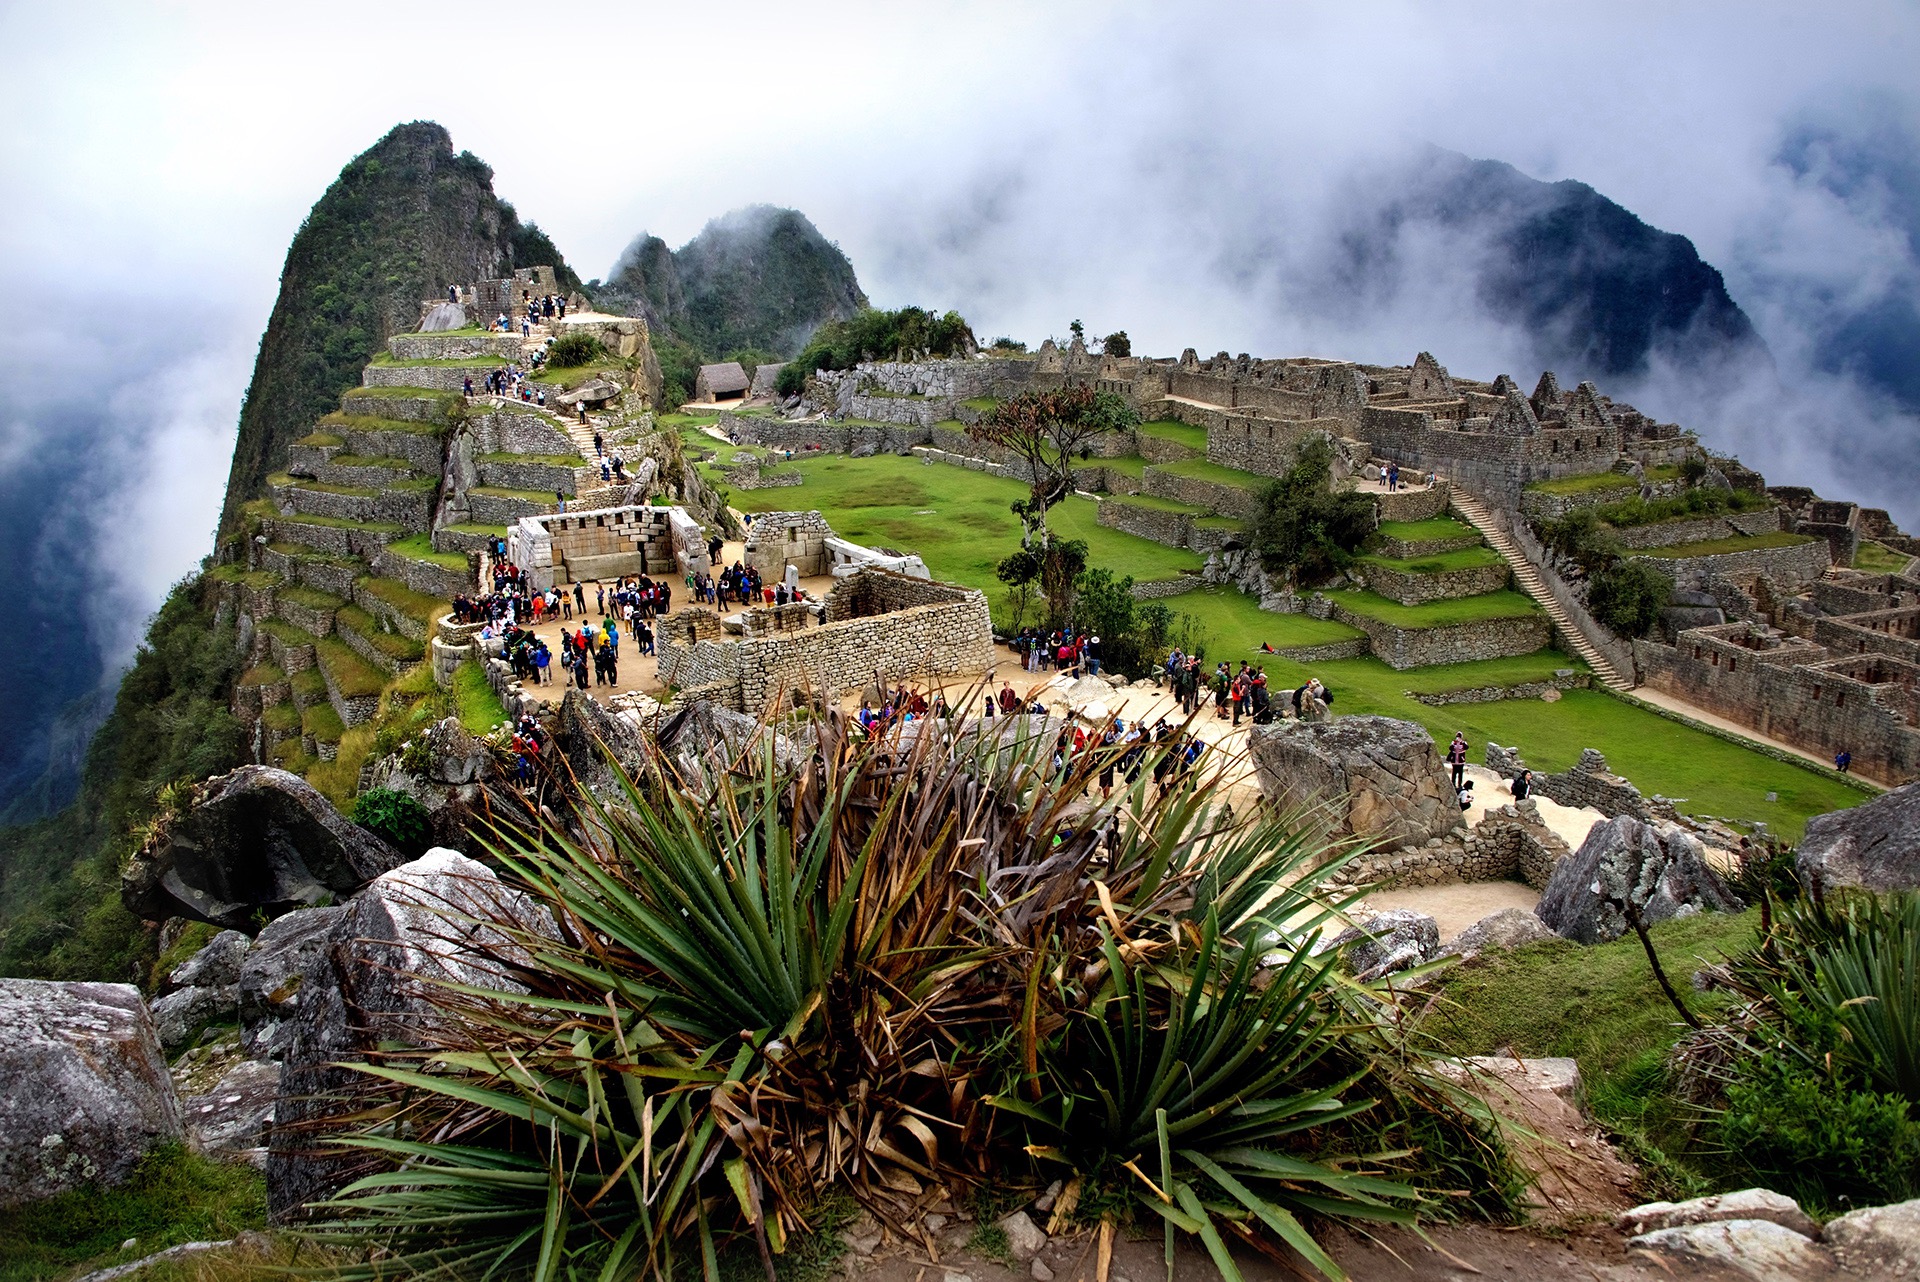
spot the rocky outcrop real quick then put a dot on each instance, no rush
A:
(255, 840)
(372, 984)
(274, 972)
(1875, 845)
(1389, 942)
(1758, 1249)
(1747, 1204)
(201, 990)
(86, 1089)
(1372, 777)
(1661, 872)
(1878, 1241)
(1508, 928)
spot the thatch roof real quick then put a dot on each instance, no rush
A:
(721, 379)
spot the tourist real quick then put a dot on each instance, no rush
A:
(1464, 795)
(1843, 761)
(1092, 653)
(1523, 787)
(1222, 682)
(599, 446)
(582, 407)
(1393, 476)
(453, 293)
(1457, 757)
(579, 599)
(469, 382)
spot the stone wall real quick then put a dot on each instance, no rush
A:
(1797, 692)
(1667, 534)
(441, 378)
(1227, 500)
(454, 347)
(835, 438)
(422, 451)
(1439, 585)
(1895, 633)
(1414, 505)
(1414, 549)
(423, 576)
(1266, 447)
(562, 548)
(518, 431)
(950, 634)
(1565, 679)
(511, 472)
(1798, 563)
(374, 403)
(1403, 648)
(1509, 844)
(1588, 783)
(1496, 464)
(1174, 529)
(776, 540)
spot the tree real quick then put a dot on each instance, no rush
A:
(1048, 431)
(1060, 567)
(1079, 331)
(1018, 570)
(1628, 598)
(1302, 527)
(1117, 344)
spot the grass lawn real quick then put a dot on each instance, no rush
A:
(419, 547)
(1157, 504)
(388, 461)
(959, 522)
(1235, 627)
(1737, 543)
(1592, 483)
(1194, 438)
(415, 605)
(549, 460)
(312, 598)
(320, 440)
(1130, 464)
(409, 393)
(474, 701)
(574, 375)
(337, 523)
(374, 423)
(1440, 527)
(352, 675)
(1202, 470)
(1439, 562)
(984, 404)
(1437, 614)
(458, 362)
(1878, 558)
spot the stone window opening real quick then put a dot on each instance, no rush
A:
(1840, 699)
(1732, 663)
(1716, 658)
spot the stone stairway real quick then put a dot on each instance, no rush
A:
(1529, 580)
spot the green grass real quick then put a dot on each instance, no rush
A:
(285, 717)
(1194, 438)
(403, 649)
(408, 393)
(374, 423)
(1592, 483)
(323, 487)
(173, 1196)
(1737, 543)
(676, 420)
(1236, 627)
(1440, 562)
(308, 685)
(389, 462)
(386, 359)
(1440, 527)
(968, 526)
(474, 701)
(1437, 614)
(1126, 464)
(415, 605)
(302, 552)
(339, 523)
(311, 598)
(352, 675)
(1878, 558)
(322, 722)
(1200, 469)
(320, 440)
(549, 460)
(499, 531)
(1158, 504)
(262, 674)
(287, 633)
(501, 492)
(984, 404)
(574, 375)
(419, 547)
(233, 572)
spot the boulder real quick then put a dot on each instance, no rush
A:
(443, 316)
(1760, 1249)
(1372, 777)
(1025, 1239)
(1389, 942)
(1662, 872)
(215, 966)
(1747, 1204)
(1875, 844)
(87, 1092)
(1508, 928)
(422, 925)
(454, 756)
(255, 840)
(235, 1115)
(1878, 1241)
(272, 973)
(179, 1016)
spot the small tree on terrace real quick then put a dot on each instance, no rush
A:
(1048, 431)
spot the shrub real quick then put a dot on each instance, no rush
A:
(575, 348)
(1302, 527)
(893, 962)
(1628, 598)
(1117, 344)
(872, 334)
(399, 819)
(1820, 1141)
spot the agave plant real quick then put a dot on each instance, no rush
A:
(891, 968)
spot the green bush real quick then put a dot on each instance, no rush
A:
(397, 818)
(1304, 528)
(573, 349)
(1628, 598)
(872, 334)
(1820, 1141)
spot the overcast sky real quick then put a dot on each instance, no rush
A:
(1026, 163)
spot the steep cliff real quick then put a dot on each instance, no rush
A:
(405, 218)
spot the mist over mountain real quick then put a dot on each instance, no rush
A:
(758, 278)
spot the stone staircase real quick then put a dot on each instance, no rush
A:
(1529, 581)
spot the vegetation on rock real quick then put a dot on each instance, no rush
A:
(1303, 527)
(874, 335)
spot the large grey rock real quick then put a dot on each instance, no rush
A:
(255, 840)
(1508, 928)
(1747, 1204)
(1025, 1239)
(1662, 872)
(179, 1015)
(1875, 844)
(1372, 777)
(234, 1116)
(454, 756)
(273, 972)
(86, 1092)
(1760, 1249)
(1878, 1241)
(442, 919)
(1389, 942)
(215, 966)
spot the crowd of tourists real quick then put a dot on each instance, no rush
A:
(1062, 648)
(512, 381)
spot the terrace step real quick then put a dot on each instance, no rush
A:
(1528, 579)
